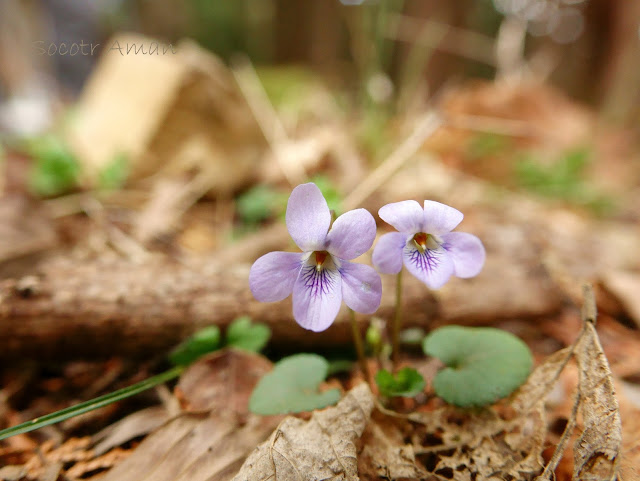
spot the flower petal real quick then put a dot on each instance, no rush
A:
(352, 234)
(387, 254)
(308, 217)
(406, 216)
(361, 287)
(440, 218)
(272, 276)
(317, 295)
(434, 267)
(466, 251)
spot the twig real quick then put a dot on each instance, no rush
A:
(493, 125)
(458, 41)
(267, 118)
(551, 466)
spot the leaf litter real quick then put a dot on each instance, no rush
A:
(357, 439)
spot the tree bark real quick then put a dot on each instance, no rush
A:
(103, 307)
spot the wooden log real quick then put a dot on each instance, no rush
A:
(103, 307)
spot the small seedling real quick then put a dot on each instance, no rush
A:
(407, 382)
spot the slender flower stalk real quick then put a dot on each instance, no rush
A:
(359, 345)
(397, 322)
(425, 245)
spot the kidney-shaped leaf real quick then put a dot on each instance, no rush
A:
(483, 364)
(292, 387)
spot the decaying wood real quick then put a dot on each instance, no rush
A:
(108, 306)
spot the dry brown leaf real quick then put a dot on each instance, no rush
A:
(210, 442)
(222, 381)
(540, 381)
(625, 287)
(385, 454)
(135, 425)
(322, 448)
(596, 450)
(467, 445)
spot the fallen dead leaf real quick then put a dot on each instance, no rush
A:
(385, 454)
(319, 449)
(625, 287)
(209, 441)
(137, 424)
(596, 452)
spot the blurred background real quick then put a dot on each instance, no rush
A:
(401, 49)
(147, 108)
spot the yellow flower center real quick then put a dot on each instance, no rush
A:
(425, 241)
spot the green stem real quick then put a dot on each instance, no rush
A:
(397, 323)
(92, 404)
(357, 341)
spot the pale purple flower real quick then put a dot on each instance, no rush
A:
(320, 277)
(425, 244)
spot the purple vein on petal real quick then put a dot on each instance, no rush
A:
(434, 267)
(317, 282)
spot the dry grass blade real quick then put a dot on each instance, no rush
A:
(322, 448)
(596, 450)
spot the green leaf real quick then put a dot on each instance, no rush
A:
(260, 203)
(407, 382)
(292, 387)
(202, 342)
(329, 192)
(337, 366)
(483, 364)
(55, 168)
(114, 175)
(245, 335)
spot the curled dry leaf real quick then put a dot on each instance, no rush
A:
(596, 450)
(322, 448)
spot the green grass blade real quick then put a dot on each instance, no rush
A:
(92, 404)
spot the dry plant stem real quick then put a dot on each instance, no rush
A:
(550, 468)
(357, 341)
(397, 322)
(425, 129)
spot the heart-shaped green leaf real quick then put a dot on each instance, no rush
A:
(242, 334)
(292, 387)
(406, 383)
(202, 342)
(483, 364)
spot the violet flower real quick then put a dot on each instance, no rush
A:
(425, 243)
(320, 277)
